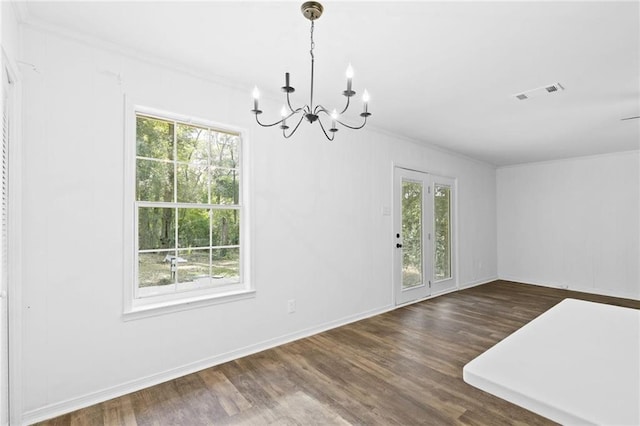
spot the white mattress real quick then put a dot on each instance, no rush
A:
(578, 363)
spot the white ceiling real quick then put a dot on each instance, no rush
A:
(441, 73)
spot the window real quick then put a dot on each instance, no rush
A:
(188, 211)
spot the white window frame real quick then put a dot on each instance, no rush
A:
(140, 307)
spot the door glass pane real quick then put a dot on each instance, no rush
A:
(442, 219)
(411, 234)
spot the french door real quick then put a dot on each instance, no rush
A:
(412, 208)
(424, 221)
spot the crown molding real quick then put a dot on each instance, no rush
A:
(21, 11)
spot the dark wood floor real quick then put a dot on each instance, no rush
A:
(402, 367)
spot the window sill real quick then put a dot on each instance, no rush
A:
(160, 308)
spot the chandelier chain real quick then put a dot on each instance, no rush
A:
(313, 45)
(313, 59)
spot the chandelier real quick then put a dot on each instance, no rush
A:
(313, 10)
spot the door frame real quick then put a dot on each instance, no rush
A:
(453, 282)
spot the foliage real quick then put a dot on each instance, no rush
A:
(197, 168)
(442, 234)
(412, 233)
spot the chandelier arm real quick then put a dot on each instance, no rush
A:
(352, 127)
(325, 132)
(268, 125)
(293, 110)
(294, 129)
(346, 106)
(320, 108)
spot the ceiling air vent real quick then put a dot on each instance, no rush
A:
(554, 88)
(550, 88)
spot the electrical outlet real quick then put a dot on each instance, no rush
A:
(291, 306)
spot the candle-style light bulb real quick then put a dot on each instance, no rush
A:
(349, 74)
(283, 114)
(365, 100)
(256, 96)
(334, 118)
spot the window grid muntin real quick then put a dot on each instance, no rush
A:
(211, 130)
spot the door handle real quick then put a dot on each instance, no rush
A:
(398, 245)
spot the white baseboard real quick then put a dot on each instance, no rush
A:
(597, 291)
(60, 408)
(63, 407)
(477, 282)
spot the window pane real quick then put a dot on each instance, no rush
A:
(411, 234)
(176, 164)
(154, 180)
(193, 266)
(225, 186)
(154, 138)
(226, 265)
(225, 227)
(156, 228)
(442, 243)
(192, 181)
(193, 144)
(154, 269)
(224, 150)
(193, 228)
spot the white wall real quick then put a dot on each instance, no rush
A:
(319, 234)
(572, 223)
(10, 34)
(11, 53)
